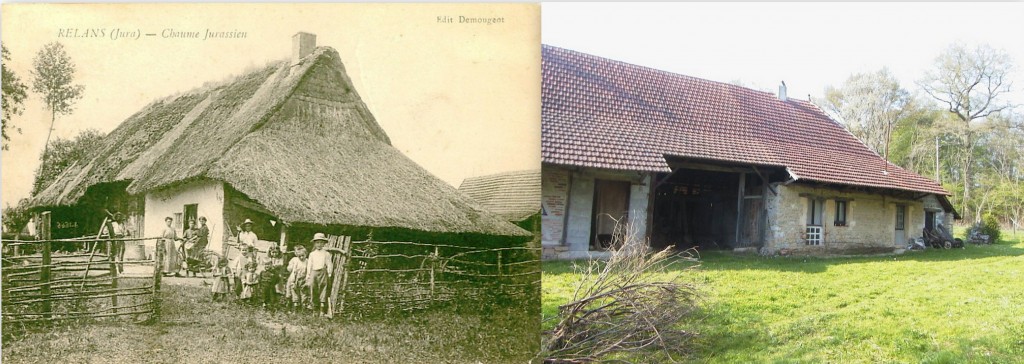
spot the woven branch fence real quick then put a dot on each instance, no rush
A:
(375, 276)
(45, 287)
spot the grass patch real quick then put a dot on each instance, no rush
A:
(935, 306)
(196, 330)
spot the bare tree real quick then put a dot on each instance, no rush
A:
(53, 73)
(969, 83)
(869, 105)
(14, 94)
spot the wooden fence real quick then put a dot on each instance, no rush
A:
(43, 286)
(405, 276)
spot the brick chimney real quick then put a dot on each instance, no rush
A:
(302, 45)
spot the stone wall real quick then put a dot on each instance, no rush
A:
(870, 223)
(931, 203)
(568, 201)
(554, 192)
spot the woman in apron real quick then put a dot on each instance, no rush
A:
(172, 263)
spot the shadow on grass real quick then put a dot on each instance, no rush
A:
(727, 260)
(730, 261)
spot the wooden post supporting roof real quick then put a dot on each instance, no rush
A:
(739, 207)
(284, 237)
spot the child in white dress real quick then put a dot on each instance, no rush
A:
(221, 276)
(249, 282)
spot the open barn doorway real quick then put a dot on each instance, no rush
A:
(611, 207)
(695, 208)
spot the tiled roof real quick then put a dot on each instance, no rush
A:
(511, 195)
(603, 113)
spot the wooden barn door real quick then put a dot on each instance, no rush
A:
(751, 216)
(750, 222)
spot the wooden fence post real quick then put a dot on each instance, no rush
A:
(158, 262)
(113, 274)
(433, 264)
(337, 243)
(44, 276)
(44, 272)
(347, 246)
(499, 264)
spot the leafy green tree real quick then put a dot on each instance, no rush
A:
(53, 72)
(14, 94)
(15, 217)
(63, 153)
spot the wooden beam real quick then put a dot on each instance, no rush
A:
(283, 244)
(739, 207)
(651, 192)
(659, 181)
(764, 216)
(765, 181)
(710, 167)
(825, 197)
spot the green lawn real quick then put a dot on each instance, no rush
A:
(196, 330)
(936, 306)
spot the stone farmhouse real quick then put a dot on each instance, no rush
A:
(690, 162)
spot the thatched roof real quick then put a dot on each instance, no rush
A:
(296, 138)
(512, 195)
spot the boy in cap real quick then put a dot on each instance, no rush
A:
(318, 273)
(247, 236)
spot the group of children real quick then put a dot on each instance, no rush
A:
(263, 280)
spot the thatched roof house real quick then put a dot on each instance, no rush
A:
(292, 142)
(513, 196)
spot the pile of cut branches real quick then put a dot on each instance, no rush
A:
(633, 302)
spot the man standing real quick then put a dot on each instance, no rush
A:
(318, 273)
(120, 231)
(246, 236)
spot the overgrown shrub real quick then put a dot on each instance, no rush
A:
(990, 227)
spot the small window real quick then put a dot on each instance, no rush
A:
(901, 217)
(177, 220)
(840, 213)
(814, 209)
(813, 235)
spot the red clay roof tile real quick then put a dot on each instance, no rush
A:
(603, 113)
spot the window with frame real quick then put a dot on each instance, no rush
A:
(901, 217)
(814, 234)
(814, 211)
(841, 213)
